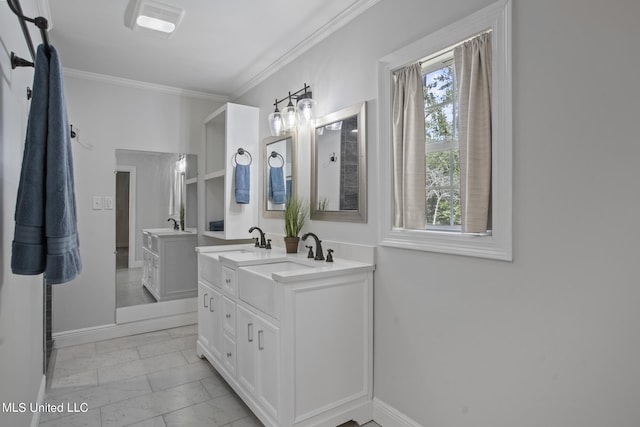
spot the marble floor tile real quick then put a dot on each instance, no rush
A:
(183, 331)
(151, 422)
(86, 362)
(62, 384)
(140, 367)
(216, 386)
(153, 404)
(131, 341)
(95, 397)
(82, 350)
(181, 375)
(90, 418)
(215, 412)
(173, 345)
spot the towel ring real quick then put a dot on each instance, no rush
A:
(242, 152)
(275, 155)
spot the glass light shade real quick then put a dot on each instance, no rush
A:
(276, 124)
(290, 117)
(306, 109)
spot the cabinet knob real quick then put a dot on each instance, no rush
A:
(228, 354)
(228, 316)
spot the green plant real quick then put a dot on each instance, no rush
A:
(323, 203)
(295, 215)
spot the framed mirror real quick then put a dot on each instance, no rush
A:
(279, 156)
(339, 166)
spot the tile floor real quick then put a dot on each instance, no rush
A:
(129, 289)
(147, 380)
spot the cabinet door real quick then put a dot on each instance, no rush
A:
(215, 320)
(204, 317)
(229, 318)
(229, 355)
(245, 349)
(155, 273)
(268, 369)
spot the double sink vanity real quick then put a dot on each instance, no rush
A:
(292, 336)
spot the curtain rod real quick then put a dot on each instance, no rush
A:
(39, 22)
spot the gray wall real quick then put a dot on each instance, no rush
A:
(549, 339)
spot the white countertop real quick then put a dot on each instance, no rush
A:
(245, 256)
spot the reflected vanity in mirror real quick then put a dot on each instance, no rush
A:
(151, 187)
(339, 166)
(279, 173)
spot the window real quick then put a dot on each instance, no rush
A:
(442, 231)
(442, 152)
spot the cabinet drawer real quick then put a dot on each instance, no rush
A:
(209, 270)
(229, 316)
(229, 282)
(229, 355)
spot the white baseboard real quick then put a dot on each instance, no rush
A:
(35, 418)
(388, 416)
(105, 332)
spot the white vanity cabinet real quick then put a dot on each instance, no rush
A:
(297, 346)
(169, 264)
(228, 129)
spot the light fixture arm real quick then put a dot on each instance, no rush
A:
(297, 95)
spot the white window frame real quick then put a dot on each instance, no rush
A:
(498, 244)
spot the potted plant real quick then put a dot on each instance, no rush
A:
(295, 215)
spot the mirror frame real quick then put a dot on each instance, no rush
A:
(360, 215)
(265, 175)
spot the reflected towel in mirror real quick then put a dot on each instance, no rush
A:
(277, 191)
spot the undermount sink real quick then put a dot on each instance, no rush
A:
(276, 267)
(257, 287)
(165, 231)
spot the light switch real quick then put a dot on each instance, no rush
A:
(108, 202)
(97, 203)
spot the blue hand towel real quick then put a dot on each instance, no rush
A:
(242, 181)
(46, 233)
(277, 192)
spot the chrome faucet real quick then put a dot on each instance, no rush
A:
(319, 253)
(263, 242)
(175, 223)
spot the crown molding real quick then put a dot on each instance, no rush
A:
(343, 18)
(103, 78)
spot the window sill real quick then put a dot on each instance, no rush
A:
(489, 246)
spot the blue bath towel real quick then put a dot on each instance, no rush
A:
(242, 182)
(277, 192)
(46, 233)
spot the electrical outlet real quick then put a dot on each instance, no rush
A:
(108, 202)
(97, 203)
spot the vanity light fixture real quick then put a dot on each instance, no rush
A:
(276, 124)
(306, 106)
(291, 116)
(153, 17)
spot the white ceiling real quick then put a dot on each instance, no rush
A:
(221, 47)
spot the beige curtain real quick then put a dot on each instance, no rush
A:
(473, 74)
(409, 148)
